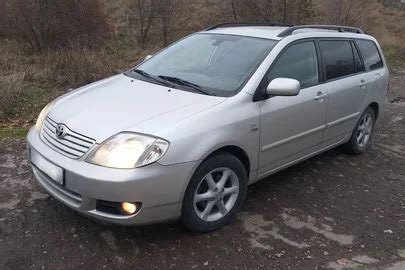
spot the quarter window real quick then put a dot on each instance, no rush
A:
(298, 62)
(371, 57)
(337, 56)
(357, 61)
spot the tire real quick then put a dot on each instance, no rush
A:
(218, 201)
(358, 144)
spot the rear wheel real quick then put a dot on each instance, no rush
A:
(215, 193)
(362, 134)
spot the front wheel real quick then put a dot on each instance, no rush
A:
(362, 134)
(215, 193)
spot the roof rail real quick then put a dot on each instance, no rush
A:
(236, 24)
(338, 28)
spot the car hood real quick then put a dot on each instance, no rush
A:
(120, 103)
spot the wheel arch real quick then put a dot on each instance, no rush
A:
(376, 109)
(236, 151)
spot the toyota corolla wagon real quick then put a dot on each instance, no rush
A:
(183, 134)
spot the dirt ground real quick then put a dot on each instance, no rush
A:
(333, 211)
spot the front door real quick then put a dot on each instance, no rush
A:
(293, 127)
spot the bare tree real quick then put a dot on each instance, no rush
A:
(165, 12)
(2, 17)
(285, 11)
(233, 6)
(301, 11)
(145, 12)
(49, 23)
(345, 12)
(245, 10)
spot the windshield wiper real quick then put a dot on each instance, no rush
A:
(152, 77)
(185, 83)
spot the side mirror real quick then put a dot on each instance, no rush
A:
(147, 57)
(283, 87)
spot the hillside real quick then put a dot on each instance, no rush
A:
(387, 24)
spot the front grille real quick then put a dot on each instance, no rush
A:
(73, 145)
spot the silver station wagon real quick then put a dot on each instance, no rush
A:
(183, 134)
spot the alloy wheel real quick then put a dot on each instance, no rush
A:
(216, 194)
(364, 129)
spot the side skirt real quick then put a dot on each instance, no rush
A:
(291, 163)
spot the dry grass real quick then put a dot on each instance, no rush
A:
(387, 24)
(28, 80)
(76, 67)
(395, 56)
(10, 87)
(12, 77)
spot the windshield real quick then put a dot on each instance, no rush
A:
(213, 64)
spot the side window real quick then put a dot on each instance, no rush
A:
(371, 56)
(337, 56)
(298, 62)
(357, 60)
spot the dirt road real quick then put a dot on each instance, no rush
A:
(333, 211)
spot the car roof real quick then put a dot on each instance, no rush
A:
(273, 32)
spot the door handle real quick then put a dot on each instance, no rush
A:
(320, 96)
(362, 83)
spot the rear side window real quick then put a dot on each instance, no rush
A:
(371, 56)
(338, 59)
(357, 60)
(299, 62)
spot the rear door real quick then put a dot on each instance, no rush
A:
(344, 77)
(293, 127)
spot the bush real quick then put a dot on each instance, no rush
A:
(78, 67)
(395, 56)
(54, 23)
(282, 11)
(10, 87)
(346, 12)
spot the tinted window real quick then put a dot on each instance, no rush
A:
(371, 57)
(357, 60)
(338, 58)
(298, 62)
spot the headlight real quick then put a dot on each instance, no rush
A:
(128, 150)
(42, 116)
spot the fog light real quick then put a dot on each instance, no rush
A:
(128, 208)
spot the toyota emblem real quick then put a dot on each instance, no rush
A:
(60, 131)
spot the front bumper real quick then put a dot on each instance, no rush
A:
(159, 188)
